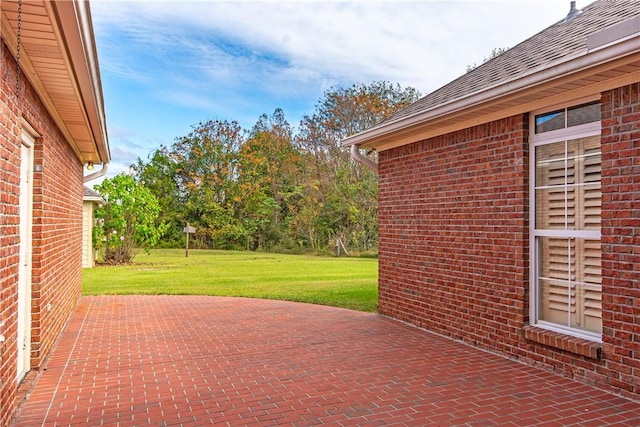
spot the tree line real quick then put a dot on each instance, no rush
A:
(272, 187)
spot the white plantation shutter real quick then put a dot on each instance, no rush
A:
(551, 214)
(589, 251)
(555, 293)
(567, 229)
(588, 255)
(592, 194)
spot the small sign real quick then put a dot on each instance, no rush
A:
(188, 230)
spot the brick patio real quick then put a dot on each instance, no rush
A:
(195, 361)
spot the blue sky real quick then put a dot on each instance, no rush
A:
(168, 65)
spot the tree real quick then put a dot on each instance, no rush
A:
(340, 195)
(158, 175)
(127, 219)
(272, 189)
(269, 166)
(206, 174)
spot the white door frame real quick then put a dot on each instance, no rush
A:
(24, 270)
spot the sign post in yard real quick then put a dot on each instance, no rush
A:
(189, 230)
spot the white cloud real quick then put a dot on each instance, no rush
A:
(236, 60)
(422, 44)
(122, 152)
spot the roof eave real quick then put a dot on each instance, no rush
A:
(94, 199)
(75, 20)
(70, 22)
(425, 123)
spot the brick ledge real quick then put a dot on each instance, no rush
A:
(583, 347)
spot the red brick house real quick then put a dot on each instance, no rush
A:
(52, 124)
(509, 202)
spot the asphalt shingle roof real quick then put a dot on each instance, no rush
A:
(89, 194)
(543, 50)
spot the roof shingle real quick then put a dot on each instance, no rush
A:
(555, 44)
(91, 195)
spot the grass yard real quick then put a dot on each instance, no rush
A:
(341, 282)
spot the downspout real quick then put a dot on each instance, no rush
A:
(358, 157)
(97, 174)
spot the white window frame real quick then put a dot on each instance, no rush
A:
(535, 140)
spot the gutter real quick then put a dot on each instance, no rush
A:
(365, 161)
(98, 174)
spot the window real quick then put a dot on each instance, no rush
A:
(565, 223)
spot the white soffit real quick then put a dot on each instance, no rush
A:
(58, 56)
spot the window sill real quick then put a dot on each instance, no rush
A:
(583, 347)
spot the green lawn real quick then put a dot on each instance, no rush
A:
(341, 282)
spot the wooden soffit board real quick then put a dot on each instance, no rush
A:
(57, 54)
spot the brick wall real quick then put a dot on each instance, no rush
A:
(57, 229)
(9, 236)
(621, 237)
(453, 229)
(57, 232)
(453, 236)
(57, 241)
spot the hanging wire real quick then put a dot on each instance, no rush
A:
(18, 46)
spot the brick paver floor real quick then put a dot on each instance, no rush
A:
(196, 361)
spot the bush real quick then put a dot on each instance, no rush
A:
(126, 222)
